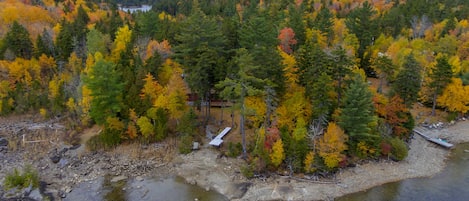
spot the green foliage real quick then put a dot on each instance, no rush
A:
(160, 119)
(247, 171)
(107, 139)
(234, 150)
(106, 88)
(97, 42)
(28, 177)
(18, 41)
(408, 81)
(356, 116)
(361, 23)
(185, 144)
(399, 149)
(440, 78)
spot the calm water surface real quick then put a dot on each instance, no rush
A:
(452, 184)
(171, 188)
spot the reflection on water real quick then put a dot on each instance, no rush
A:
(451, 184)
(173, 188)
(150, 189)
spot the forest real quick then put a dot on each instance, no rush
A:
(295, 72)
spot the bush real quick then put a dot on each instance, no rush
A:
(28, 177)
(247, 171)
(399, 149)
(451, 116)
(185, 145)
(234, 150)
(107, 139)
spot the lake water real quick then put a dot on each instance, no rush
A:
(150, 189)
(132, 9)
(452, 184)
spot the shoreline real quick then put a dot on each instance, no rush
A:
(425, 159)
(207, 169)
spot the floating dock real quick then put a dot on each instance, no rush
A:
(437, 141)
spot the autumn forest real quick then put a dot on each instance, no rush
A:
(295, 73)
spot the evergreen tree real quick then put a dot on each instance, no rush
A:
(357, 115)
(297, 24)
(200, 51)
(106, 88)
(17, 41)
(312, 63)
(64, 41)
(324, 22)
(360, 22)
(408, 82)
(341, 67)
(258, 35)
(242, 85)
(440, 77)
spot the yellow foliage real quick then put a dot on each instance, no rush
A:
(455, 63)
(317, 35)
(309, 163)
(165, 16)
(277, 156)
(151, 88)
(34, 18)
(85, 102)
(166, 71)
(71, 104)
(123, 37)
(4, 88)
(54, 88)
(257, 110)
(294, 106)
(146, 128)
(332, 144)
(175, 91)
(365, 150)
(290, 69)
(455, 97)
(114, 123)
(43, 112)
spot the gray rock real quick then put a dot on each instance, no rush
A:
(63, 162)
(36, 195)
(139, 178)
(55, 158)
(3, 142)
(238, 190)
(118, 178)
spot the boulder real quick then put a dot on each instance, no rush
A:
(55, 158)
(118, 178)
(3, 142)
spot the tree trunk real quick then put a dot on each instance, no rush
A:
(222, 106)
(434, 104)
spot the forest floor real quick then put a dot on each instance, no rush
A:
(62, 167)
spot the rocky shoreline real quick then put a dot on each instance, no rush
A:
(64, 167)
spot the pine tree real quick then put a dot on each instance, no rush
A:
(360, 22)
(200, 51)
(242, 85)
(18, 41)
(408, 81)
(357, 115)
(440, 78)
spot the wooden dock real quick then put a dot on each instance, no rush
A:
(219, 139)
(437, 141)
